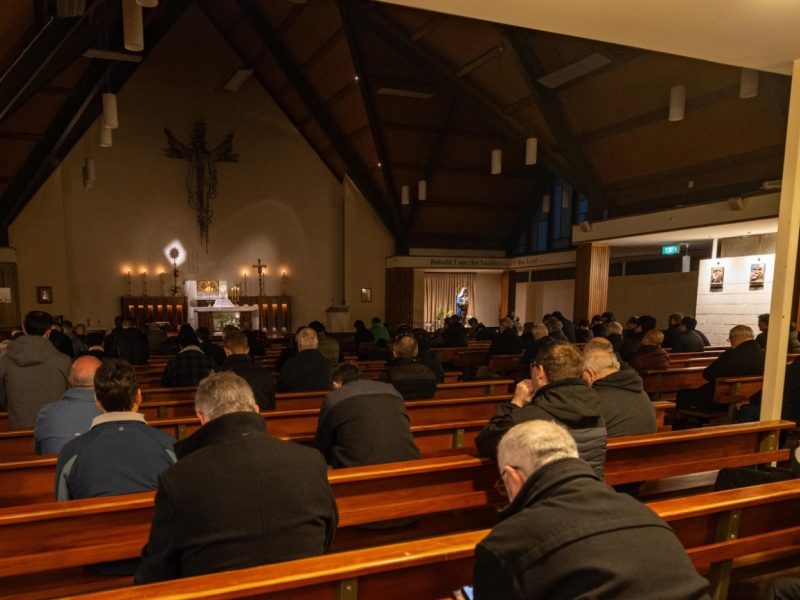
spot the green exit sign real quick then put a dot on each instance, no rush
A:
(666, 250)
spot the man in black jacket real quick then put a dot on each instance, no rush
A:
(363, 422)
(238, 360)
(507, 341)
(237, 497)
(568, 535)
(309, 370)
(412, 378)
(744, 357)
(555, 392)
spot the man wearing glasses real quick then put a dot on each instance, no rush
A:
(568, 535)
(555, 392)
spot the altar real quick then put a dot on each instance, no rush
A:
(216, 318)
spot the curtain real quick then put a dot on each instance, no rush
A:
(440, 296)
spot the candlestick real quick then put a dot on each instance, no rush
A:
(129, 282)
(244, 286)
(144, 283)
(161, 282)
(284, 280)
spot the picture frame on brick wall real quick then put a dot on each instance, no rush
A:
(717, 278)
(758, 273)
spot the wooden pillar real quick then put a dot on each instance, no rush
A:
(786, 249)
(508, 293)
(591, 281)
(399, 296)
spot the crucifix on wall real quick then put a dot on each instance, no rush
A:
(201, 178)
(260, 268)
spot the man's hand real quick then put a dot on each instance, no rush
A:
(523, 394)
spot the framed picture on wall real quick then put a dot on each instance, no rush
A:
(44, 294)
(717, 278)
(757, 273)
(366, 294)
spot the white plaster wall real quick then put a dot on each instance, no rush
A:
(657, 294)
(367, 246)
(279, 203)
(488, 288)
(735, 303)
(544, 297)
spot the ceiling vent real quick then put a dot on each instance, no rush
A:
(400, 93)
(577, 69)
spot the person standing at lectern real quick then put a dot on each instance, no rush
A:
(462, 302)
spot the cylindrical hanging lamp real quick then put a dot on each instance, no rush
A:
(531, 150)
(132, 26)
(677, 102)
(405, 195)
(110, 119)
(422, 190)
(748, 83)
(497, 161)
(106, 137)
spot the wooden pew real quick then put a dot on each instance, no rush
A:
(664, 384)
(715, 529)
(730, 391)
(85, 531)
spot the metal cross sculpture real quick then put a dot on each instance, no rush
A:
(201, 179)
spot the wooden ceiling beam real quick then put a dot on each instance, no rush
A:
(73, 119)
(531, 69)
(18, 136)
(315, 57)
(448, 81)
(394, 126)
(358, 174)
(432, 23)
(48, 54)
(351, 35)
(654, 116)
(692, 171)
(328, 102)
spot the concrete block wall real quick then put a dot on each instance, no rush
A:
(736, 303)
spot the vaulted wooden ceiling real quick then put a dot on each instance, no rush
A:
(390, 95)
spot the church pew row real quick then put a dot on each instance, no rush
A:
(716, 529)
(178, 418)
(297, 400)
(52, 536)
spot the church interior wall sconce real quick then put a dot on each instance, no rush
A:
(44, 294)
(366, 294)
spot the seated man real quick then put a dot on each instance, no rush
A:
(129, 344)
(566, 534)
(408, 375)
(744, 357)
(327, 346)
(554, 392)
(213, 351)
(190, 365)
(120, 454)
(688, 339)
(236, 497)
(507, 341)
(363, 422)
(625, 406)
(239, 361)
(71, 415)
(32, 372)
(309, 371)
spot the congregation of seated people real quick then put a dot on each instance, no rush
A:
(82, 405)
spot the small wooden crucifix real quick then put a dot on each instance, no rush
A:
(260, 268)
(201, 179)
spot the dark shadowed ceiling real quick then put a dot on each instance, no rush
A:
(391, 95)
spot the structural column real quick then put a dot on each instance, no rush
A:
(591, 280)
(508, 293)
(780, 309)
(399, 296)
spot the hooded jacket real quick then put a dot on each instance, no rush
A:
(569, 402)
(625, 406)
(364, 422)
(32, 373)
(568, 535)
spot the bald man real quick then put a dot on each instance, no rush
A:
(309, 370)
(72, 414)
